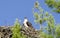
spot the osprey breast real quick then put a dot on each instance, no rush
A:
(25, 21)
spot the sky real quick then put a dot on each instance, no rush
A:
(12, 9)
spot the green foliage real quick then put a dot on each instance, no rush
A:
(50, 3)
(36, 16)
(57, 31)
(16, 30)
(46, 14)
(44, 35)
(36, 4)
(54, 4)
(40, 17)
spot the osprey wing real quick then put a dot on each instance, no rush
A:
(29, 24)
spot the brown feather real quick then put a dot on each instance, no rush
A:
(29, 24)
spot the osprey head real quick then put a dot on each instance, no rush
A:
(25, 19)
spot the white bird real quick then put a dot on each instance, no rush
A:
(26, 23)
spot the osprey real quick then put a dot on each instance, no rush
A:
(26, 23)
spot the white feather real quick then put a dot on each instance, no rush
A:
(25, 20)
